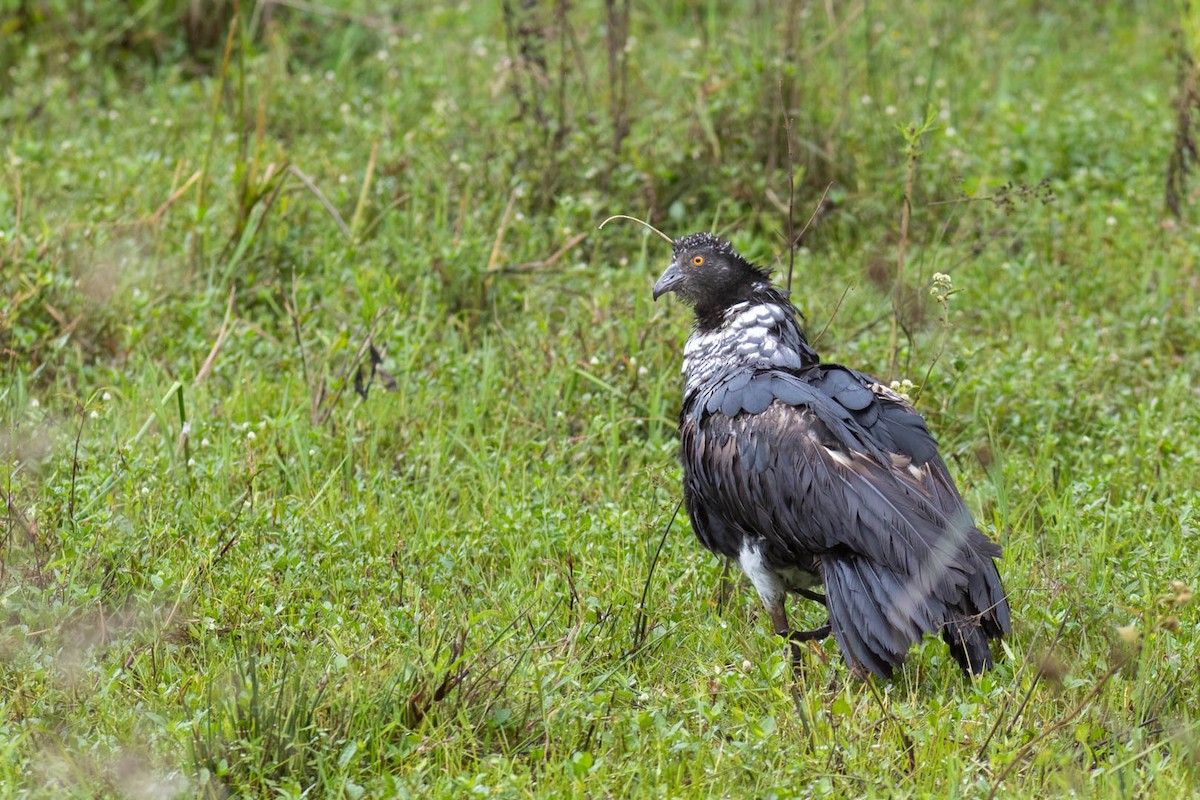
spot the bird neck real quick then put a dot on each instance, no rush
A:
(760, 333)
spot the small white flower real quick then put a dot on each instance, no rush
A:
(951, 133)
(865, 99)
(204, 442)
(34, 403)
(94, 415)
(1110, 221)
(903, 387)
(890, 110)
(251, 436)
(312, 451)
(191, 462)
(106, 397)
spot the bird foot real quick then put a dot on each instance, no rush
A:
(796, 638)
(816, 597)
(814, 635)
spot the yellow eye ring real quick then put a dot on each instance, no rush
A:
(697, 261)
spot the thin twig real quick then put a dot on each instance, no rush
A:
(643, 223)
(321, 198)
(1062, 723)
(639, 628)
(1008, 701)
(222, 335)
(533, 266)
(499, 240)
(898, 287)
(351, 364)
(19, 517)
(157, 216)
(791, 206)
(356, 220)
(293, 312)
(1000, 717)
(833, 316)
(20, 204)
(820, 204)
(909, 747)
(1053, 643)
(75, 467)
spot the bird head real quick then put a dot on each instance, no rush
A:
(707, 273)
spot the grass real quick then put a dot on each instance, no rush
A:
(225, 572)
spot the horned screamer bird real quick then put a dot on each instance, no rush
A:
(809, 473)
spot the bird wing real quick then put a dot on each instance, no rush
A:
(823, 463)
(774, 448)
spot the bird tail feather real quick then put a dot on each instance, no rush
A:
(876, 616)
(863, 601)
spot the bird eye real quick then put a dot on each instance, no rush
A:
(697, 260)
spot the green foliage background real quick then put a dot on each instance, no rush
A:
(224, 572)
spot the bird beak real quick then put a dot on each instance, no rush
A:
(669, 280)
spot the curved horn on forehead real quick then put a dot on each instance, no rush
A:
(666, 238)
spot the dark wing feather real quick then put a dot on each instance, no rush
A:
(822, 463)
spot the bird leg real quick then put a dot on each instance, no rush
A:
(794, 638)
(779, 619)
(780, 624)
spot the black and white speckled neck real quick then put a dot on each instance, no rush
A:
(763, 334)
